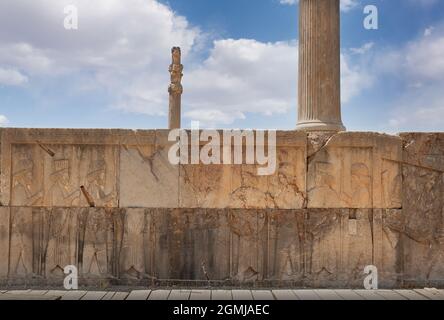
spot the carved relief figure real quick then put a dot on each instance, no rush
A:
(325, 185)
(96, 182)
(26, 189)
(20, 260)
(61, 241)
(133, 251)
(95, 244)
(360, 185)
(61, 191)
(246, 246)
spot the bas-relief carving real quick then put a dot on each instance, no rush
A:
(338, 246)
(424, 150)
(342, 179)
(205, 186)
(361, 173)
(135, 253)
(27, 176)
(420, 229)
(96, 237)
(39, 179)
(54, 243)
(248, 246)
(190, 245)
(4, 241)
(21, 243)
(286, 246)
(239, 186)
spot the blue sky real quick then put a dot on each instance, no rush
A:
(240, 64)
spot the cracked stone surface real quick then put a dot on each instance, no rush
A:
(335, 204)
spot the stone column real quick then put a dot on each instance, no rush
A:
(175, 89)
(319, 66)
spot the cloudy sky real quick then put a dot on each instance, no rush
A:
(240, 60)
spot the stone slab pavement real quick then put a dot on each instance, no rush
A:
(205, 294)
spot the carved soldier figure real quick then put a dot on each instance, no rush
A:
(96, 182)
(97, 235)
(133, 250)
(61, 191)
(25, 187)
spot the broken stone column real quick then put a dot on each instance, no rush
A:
(319, 66)
(175, 89)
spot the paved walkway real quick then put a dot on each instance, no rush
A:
(192, 294)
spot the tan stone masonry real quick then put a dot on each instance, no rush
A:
(335, 204)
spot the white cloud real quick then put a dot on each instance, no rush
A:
(242, 76)
(428, 31)
(3, 120)
(246, 76)
(11, 77)
(123, 48)
(421, 65)
(354, 79)
(346, 5)
(363, 49)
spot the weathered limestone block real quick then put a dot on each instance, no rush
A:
(39, 179)
(4, 241)
(248, 232)
(286, 245)
(147, 178)
(338, 247)
(240, 186)
(55, 234)
(95, 238)
(191, 245)
(421, 229)
(47, 167)
(356, 170)
(413, 254)
(424, 150)
(387, 248)
(21, 244)
(134, 244)
(205, 186)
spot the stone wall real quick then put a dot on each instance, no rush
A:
(109, 202)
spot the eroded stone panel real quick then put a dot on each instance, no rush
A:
(191, 245)
(286, 245)
(248, 232)
(240, 186)
(424, 150)
(147, 178)
(55, 234)
(338, 247)
(135, 249)
(421, 228)
(95, 241)
(52, 175)
(4, 241)
(413, 253)
(21, 243)
(356, 170)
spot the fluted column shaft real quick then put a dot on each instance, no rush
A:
(319, 107)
